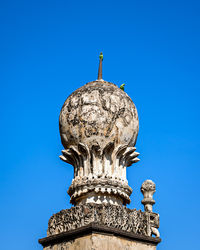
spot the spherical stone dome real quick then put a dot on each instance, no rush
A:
(96, 114)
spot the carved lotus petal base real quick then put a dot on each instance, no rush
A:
(100, 170)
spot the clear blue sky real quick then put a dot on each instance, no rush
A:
(50, 48)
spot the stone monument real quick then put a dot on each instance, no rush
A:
(98, 128)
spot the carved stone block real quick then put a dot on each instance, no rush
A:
(118, 217)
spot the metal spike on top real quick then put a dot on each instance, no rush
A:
(100, 67)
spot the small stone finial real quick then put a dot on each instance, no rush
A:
(148, 188)
(100, 66)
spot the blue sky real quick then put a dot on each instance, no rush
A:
(50, 48)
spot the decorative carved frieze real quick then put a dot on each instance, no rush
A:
(105, 186)
(120, 217)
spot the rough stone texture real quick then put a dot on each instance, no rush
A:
(122, 218)
(98, 113)
(101, 242)
(99, 127)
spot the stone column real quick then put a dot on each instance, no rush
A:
(98, 128)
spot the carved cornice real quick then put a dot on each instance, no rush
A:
(63, 238)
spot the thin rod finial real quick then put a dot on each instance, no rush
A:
(100, 66)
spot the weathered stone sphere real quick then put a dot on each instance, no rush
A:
(96, 114)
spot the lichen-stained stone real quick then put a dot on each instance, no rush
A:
(96, 114)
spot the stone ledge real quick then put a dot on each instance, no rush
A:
(94, 228)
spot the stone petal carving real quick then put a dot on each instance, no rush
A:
(122, 218)
(100, 170)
